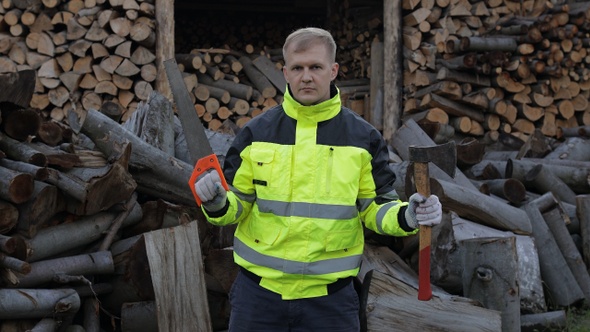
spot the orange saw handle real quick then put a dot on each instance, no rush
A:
(202, 166)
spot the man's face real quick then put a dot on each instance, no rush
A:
(309, 73)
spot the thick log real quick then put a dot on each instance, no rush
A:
(21, 124)
(490, 276)
(562, 287)
(37, 303)
(107, 134)
(8, 217)
(46, 201)
(91, 315)
(481, 208)
(532, 297)
(44, 272)
(574, 148)
(20, 151)
(260, 81)
(552, 320)
(543, 180)
(17, 88)
(583, 212)
(392, 68)
(510, 189)
(45, 325)
(15, 187)
(176, 295)
(73, 235)
(270, 71)
(576, 178)
(390, 304)
(554, 220)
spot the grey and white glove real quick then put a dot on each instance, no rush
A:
(423, 211)
(212, 194)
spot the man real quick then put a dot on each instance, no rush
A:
(304, 176)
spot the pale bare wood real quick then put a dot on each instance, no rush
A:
(148, 72)
(172, 298)
(125, 97)
(113, 40)
(75, 30)
(121, 26)
(71, 80)
(99, 51)
(124, 49)
(111, 63)
(142, 56)
(88, 81)
(83, 65)
(80, 47)
(106, 87)
(143, 34)
(122, 82)
(143, 90)
(127, 68)
(91, 100)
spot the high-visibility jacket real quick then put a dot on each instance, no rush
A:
(302, 180)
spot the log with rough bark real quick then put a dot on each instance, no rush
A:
(389, 303)
(490, 275)
(38, 303)
(531, 293)
(481, 208)
(75, 235)
(17, 88)
(562, 287)
(171, 173)
(49, 271)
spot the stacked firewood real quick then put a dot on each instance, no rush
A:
(485, 68)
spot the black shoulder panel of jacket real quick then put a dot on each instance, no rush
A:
(271, 126)
(349, 129)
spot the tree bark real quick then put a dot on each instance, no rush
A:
(44, 272)
(560, 283)
(37, 303)
(490, 276)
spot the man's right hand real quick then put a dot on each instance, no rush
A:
(211, 192)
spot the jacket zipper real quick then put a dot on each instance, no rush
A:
(329, 172)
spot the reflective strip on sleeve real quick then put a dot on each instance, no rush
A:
(381, 215)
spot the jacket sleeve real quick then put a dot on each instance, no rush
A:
(238, 174)
(380, 207)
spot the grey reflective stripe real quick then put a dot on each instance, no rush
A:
(311, 210)
(245, 197)
(294, 267)
(240, 210)
(381, 215)
(364, 203)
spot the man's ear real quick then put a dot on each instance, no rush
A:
(335, 68)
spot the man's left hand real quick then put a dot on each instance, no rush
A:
(424, 211)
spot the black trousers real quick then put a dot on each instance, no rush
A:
(254, 308)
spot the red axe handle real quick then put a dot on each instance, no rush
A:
(422, 180)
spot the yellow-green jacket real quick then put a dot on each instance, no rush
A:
(302, 180)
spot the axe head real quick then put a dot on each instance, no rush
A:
(444, 156)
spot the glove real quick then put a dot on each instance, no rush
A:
(211, 192)
(423, 211)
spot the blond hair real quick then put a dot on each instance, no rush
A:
(303, 38)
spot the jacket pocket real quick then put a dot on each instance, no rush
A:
(263, 232)
(343, 240)
(262, 167)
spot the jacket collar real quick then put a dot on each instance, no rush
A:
(314, 113)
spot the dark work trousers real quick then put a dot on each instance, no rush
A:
(254, 308)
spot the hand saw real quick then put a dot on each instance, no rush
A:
(200, 151)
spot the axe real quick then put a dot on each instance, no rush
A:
(445, 157)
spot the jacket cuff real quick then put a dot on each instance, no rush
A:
(401, 220)
(218, 213)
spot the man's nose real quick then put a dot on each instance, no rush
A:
(306, 75)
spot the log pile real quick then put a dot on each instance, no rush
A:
(496, 67)
(84, 180)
